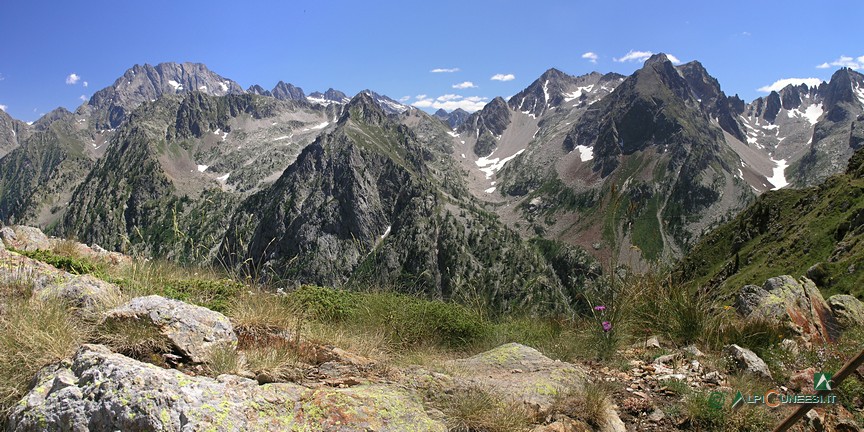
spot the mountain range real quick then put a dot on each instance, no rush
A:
(514, 205)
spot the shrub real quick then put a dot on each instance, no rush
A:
(214, 294)
(325, 304)
(71, 264)
(702, 414)
(409, 321)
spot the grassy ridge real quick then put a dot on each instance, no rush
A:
(788, 232)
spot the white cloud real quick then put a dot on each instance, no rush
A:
(72, 79)
(503, 77)
(404, 99)
(444, 70)
(844, 61)
(464, 85)
(673, 59)
(85, 83)
(779, 84)
(450, 102)
(590, 56)
(3, 107)
(2, 77)
(83, 98)
(639, 56)
(420, 96)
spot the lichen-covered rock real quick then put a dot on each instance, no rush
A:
(102, 391)
(83, 292)
(524, 375)
(192, 330)
(747, 361)
(798, 305)
(848, 310)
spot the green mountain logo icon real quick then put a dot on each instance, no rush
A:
(822, 381)
(738, 402)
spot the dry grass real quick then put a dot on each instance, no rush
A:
(274, 363)
(133, 338)
(33, 334)
(477, 410)
(259, 312)
(588, 403)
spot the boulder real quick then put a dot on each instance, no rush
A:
(192, 330)
(523, 375)
(747, 361)
(83, 292)
(25, 238)
(100, 390)
(798, 305)
(7, 237)
(847, 310)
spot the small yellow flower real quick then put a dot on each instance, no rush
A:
(727, 307)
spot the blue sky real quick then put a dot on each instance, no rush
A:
(392, 46)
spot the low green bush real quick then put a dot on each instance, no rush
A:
(74, 265)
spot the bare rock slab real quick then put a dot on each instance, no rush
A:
(98, 390)
(193, 330)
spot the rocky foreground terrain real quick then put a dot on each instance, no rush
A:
(153, 362)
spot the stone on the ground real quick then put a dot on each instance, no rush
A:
(101, 390)
(747, 361)
(193, 331)
(848, 310)
(693, 351)
(798, 305)
(652, 342)
(83, 292)
(523, 375)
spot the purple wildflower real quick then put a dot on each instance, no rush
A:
(607, 326)
(599, 308)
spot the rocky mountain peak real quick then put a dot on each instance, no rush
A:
(146, 83)
(258, 90)
(363, 107)
(285, 91)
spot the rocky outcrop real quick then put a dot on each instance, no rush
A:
(514, 373)
(796, 304)
(101, 390)
(24, 238)
(83, 292)
(747, 361)
(847, 310)
(193, 331)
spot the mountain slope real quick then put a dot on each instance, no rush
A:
(177, 167)
(817, 231)
(363, 204)
(37, 177)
